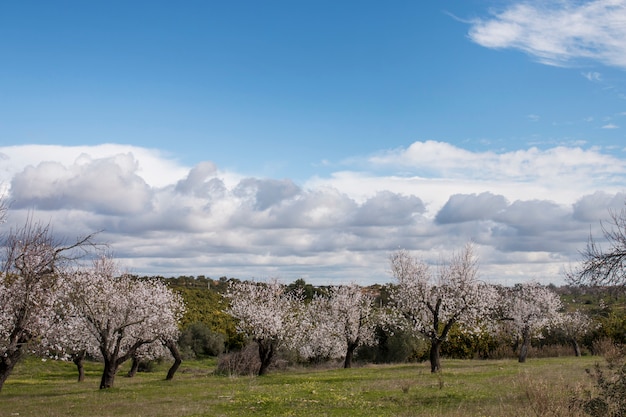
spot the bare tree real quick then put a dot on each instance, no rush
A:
(604, 266)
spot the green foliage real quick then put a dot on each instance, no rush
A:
(614, 327)
(308, 290)
(397, 346)
(464, 345)
(198, 340)
(205, 304)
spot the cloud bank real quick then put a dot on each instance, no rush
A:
(528, 211)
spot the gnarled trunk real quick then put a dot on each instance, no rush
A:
(108, 375)
(11, 358)
(7, 364)
(171, 345)
(266, 354)
(134, 367)
(349, 355)
(435, 359)
(112, 360)
(523, 350)
(576, 347)
(78, 359)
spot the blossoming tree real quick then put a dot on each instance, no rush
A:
(529, 308)
(432, 304)
(266, 313)
(336, 324)
(33, 262)
(574, 326)
(122, 313)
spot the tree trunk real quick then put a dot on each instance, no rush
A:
(171, 345)
(134, 366)
(523, 350)
(6, 367)
(266, 353)
(349, 355)
(108, 375)
(10, 359)
(576, 347)
(435, 360)
(78, 359)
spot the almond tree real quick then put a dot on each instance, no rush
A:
(318, 338)
(68, 338)
(342, 321)
(33, 262)
(266, 313)
(162, 348)
(574, 326)
(432, 304)
(123, 313)
(529, 308)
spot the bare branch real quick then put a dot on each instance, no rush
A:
(604, 267)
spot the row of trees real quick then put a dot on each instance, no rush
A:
(51, 304)
(428, 302)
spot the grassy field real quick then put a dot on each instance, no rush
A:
(540, 387)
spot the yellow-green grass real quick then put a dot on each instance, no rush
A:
(464, 388)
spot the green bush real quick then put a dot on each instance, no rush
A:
(198, 340)
(394, 346)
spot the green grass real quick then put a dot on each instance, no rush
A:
(464, 388)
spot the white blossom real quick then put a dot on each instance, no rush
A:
(122, 313)
(432, 303)
(335, 325)
(266, 313)
(529, 308)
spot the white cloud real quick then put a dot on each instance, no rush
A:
(155, 168)
(592, 76)
(530, 211)
(558, 33)
(610, 126)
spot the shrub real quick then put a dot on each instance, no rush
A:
(609, 400)
(198, 340)
(395, 346)
(243, 362)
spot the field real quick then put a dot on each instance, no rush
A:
(465, 388)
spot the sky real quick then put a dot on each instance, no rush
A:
(311, 139)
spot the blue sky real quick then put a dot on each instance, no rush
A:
(314, 137)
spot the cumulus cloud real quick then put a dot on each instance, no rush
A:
(463, 208)
(109, 185)
(529, 211)
(558, 33)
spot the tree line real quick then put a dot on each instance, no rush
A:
(423, 302)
